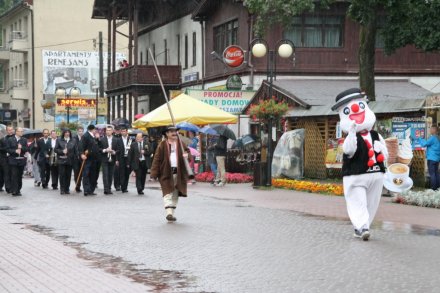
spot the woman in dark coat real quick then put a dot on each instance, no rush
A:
(67, 152)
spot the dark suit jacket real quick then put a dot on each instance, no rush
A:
(12, 145)
(43, 149)
(103, 144)
(90, 144)
(4, 146)
(134, 155)
(72, 151)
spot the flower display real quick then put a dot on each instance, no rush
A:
(308, 186)
(270, 108)
(426, 198)
(230, 177)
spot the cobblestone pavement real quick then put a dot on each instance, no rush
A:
(221, 244)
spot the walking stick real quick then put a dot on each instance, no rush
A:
(188, 168)
(80, 171)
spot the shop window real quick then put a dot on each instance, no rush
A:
(225, 35)
(316, 31)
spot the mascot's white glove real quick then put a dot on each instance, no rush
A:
(350, 143)
(380, 147)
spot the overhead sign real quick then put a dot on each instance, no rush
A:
(234, 82)
(233, 56)
(83, 103)
(229, 101)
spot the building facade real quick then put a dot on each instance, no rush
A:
(29, 29)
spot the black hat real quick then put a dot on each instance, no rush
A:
(346, 96)
(168, 128)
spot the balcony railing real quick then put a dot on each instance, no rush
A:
(18, 83)
(17, 35)
(143, 75)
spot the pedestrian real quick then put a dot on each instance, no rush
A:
(137, 158)
(220, 149)
(53, 158)
(432, 156)
(17, 148)
(10, 132)
(212, 140)
(35, 169)
(66, 151)
(109, 150)
(78, 161)
(170, 169)
(363, 161)
(124, 164)
(43, 151)
(90, 153)
(117, 172)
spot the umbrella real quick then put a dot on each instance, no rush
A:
(30, 132)
(185, 108)
(238, 144)
(244, 141)
(121, 122)
(208, 130)
(194, 152)
(138, 116)
(224, 130)
(187, 126)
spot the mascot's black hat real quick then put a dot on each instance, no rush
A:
(346, 96)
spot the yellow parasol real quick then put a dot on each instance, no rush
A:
(185, 108)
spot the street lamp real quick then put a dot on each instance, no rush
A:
(285, 49)
(60, 92)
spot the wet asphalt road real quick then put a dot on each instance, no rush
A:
(228, 246)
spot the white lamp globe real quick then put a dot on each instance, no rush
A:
(285, 51)
(75, 92)
(259, 50)
(60, 92)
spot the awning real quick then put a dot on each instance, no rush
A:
(185, 108)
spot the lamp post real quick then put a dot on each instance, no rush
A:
(259, 48)
(60, 92)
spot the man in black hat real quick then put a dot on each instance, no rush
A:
(90, 153)
(117, 172)
(4, 164)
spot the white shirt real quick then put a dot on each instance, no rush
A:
(53, 142)
(173, 155)
(140, 145)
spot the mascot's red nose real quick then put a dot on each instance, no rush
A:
(355, 108)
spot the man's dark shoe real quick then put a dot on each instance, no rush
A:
(171, 218)
(108, 192)
(44, 186)
(38, 184)
(16, 194)
(55, 188)
(140, 192)
(118, 189)
(124, 191)
(67, 192)
(78, 189)
(62, 192)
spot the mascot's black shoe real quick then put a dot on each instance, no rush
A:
(171, 218)
(365, 234)
(357, 233)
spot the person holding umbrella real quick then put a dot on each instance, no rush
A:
(220, 150)
(169, 168)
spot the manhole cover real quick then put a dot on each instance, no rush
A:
(5, 208)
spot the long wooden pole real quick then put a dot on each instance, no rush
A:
(188, 168)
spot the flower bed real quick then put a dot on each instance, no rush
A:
(230, 177)
(426, 198)
(308, 186)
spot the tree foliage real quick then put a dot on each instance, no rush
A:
(399, 22)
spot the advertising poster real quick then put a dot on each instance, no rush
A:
(417, 126)
(69, 69)
(229, 101)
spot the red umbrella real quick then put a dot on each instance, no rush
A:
(138, 116)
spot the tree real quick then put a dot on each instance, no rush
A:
(403, 22)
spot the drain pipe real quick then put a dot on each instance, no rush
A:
(28, 6)
(249, 63)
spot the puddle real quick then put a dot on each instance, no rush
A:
(385, 225)
(163, 281)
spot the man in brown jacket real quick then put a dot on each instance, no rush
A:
(169, 167)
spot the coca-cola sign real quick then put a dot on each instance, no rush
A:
(233, 56)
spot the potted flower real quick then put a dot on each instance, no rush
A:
(267, 109)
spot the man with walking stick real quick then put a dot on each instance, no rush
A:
(169, 167)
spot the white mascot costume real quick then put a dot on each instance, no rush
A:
(363, 163)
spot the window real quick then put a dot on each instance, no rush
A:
(178, 49)
(165, 45)
(186, 52)
(225, 35)
(194, 49)
(316, 31)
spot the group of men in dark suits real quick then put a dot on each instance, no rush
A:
(117, 154)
